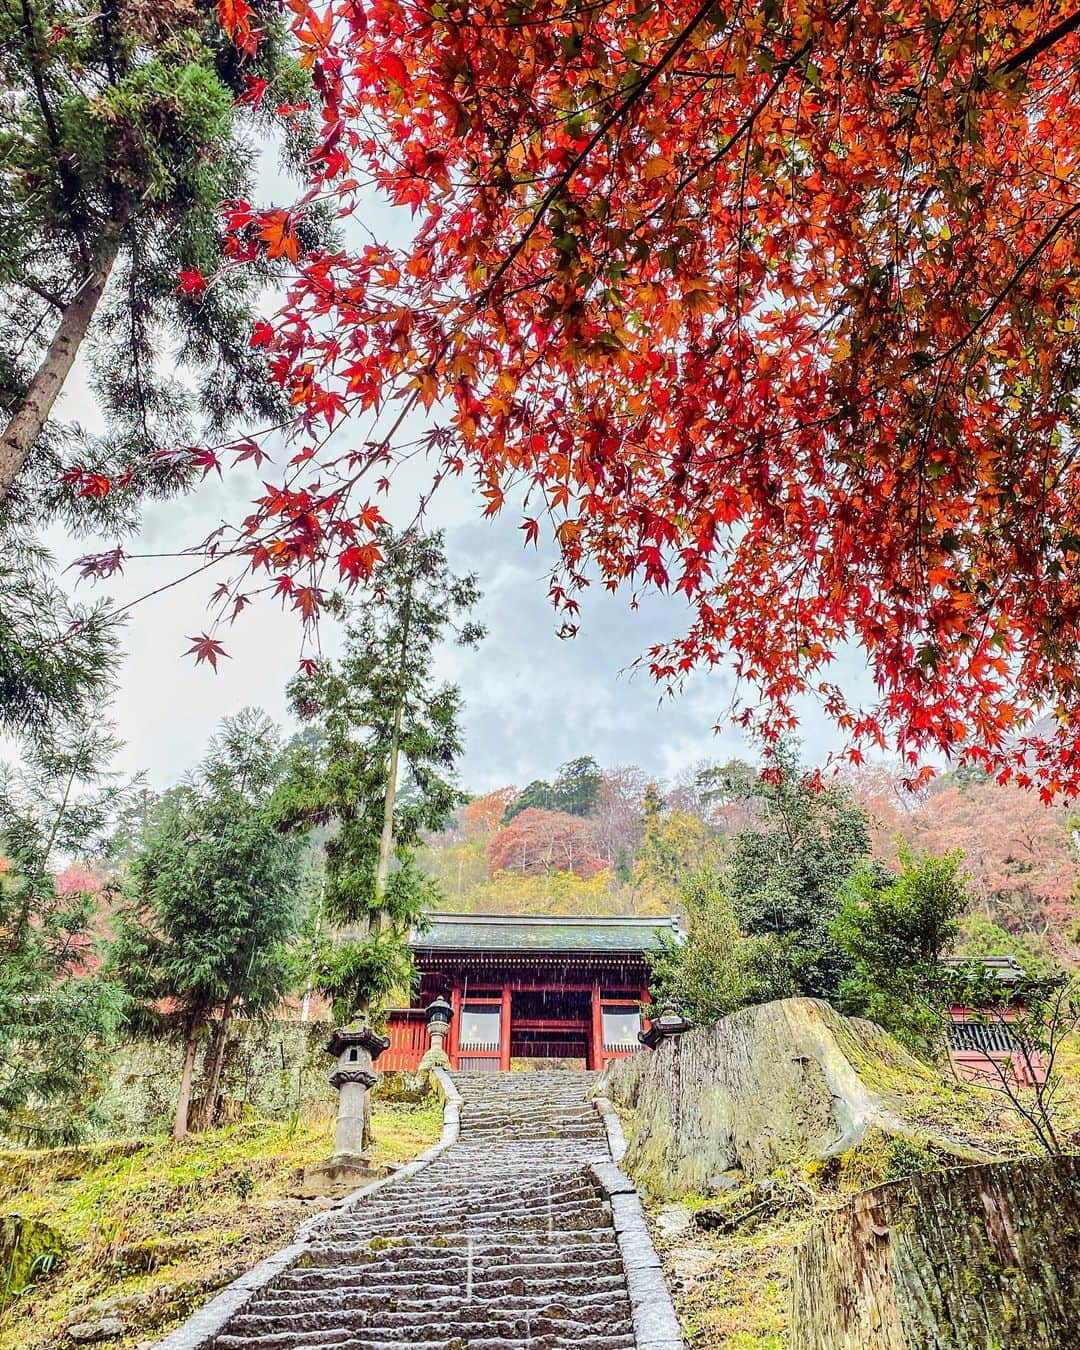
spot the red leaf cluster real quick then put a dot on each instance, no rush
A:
(773, 305)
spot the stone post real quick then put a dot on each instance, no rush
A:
(356, 1049)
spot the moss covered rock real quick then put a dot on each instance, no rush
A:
(780, 1083)
(29, 1251)
(972, 1258)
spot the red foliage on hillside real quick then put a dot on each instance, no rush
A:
(537, 841)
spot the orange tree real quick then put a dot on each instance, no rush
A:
(773, 304)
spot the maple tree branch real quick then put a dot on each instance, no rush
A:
(616, 114)
(783, 70)
(1040, 45)
(1013, 281)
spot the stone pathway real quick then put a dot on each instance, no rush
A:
(505, 1240)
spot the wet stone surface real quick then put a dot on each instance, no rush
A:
(504, 1241)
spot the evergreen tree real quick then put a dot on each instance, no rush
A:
(56, 1014)
(785, 876)
(56, 659)
(574, 792)
(577, 787)
(122, 130)
(715, 969)
(215, 891)
(538, 794)
(383, 772)
(896, 927)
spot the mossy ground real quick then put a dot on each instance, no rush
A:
(164, 1224)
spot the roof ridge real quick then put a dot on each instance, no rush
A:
(658, 921)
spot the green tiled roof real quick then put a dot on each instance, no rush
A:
(542, 933)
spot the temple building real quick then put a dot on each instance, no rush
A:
(982, 1045)
(521, 988)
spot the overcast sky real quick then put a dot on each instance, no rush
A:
(532, 700)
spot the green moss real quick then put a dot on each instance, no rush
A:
(30, 1251)
(165, 1224)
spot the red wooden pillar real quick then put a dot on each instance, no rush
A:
(646, 998)
(454, 1039)
(504, 1030)
(597, 1045)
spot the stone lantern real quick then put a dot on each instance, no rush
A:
(356, 1049)
(439, 1014)
(669, 1023)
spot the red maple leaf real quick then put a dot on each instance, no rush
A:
(206, 648)
(192, 282)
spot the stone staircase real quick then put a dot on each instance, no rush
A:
(504, 1241)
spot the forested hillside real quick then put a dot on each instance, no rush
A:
(612, 840)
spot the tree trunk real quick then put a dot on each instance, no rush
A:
(26, 423)
(966, 1258)
(180, 1120)
(386, 839)
(205, 1117)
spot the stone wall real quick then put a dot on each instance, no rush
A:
(278, 1068)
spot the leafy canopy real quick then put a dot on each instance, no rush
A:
(896, 927)
(786, 875)
(717, 969)
(772, 304)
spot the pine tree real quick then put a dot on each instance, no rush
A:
(122, 130)
(215, 892)
(384, 769)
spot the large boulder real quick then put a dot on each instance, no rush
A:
(965, 1258)
(782, 1082)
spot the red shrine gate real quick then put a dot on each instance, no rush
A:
(543, 988)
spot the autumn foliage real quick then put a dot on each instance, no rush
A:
(774, 305)
(540, 842)
(481, 816)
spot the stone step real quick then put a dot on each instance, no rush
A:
(553, 1198)
(504, 1242)
(338, 1253)
(271, 1333)
(518, 1291)
(542, 1314)
(360, 1341)
(574, 1214)
(599, 1258)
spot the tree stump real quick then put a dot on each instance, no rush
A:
(971, 1258)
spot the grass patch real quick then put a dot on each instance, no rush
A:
(159, 1226)
(733, 1292)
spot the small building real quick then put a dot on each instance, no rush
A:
(543, 988)
(981, 1044)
